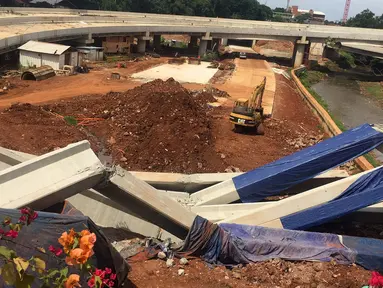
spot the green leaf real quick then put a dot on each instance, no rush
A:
(7, 253)
(64, 272)
(26, 282)
(40, 264)
(75, 244)
(52, 273)
(97, 282)
(8, 273)
(21, 266)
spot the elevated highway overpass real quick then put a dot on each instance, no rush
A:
(19, 25)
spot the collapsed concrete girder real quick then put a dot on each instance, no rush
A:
(50, 178)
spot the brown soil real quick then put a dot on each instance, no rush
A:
(274, 273)
(158, 126)
(292, 120)
(285, 46)
(30, 129)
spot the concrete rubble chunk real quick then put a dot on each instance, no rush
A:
(48, 179)
(148, 202)
(169, 263)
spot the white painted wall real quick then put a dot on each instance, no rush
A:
(29, 59)
(62, 60)
(74, 58)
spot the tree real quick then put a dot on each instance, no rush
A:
(303, 18)
(280, 10)
(365, 19)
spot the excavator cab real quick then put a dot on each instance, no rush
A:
(249, 112)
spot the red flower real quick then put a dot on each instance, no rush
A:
(1, 231)
(24, 211)
(12, 233)
(34, 215)
(112, 276)
(111, 284)
(56, 251)
(108, 271)
(100, 273)
(91, 282)
(23, 218)
(376, 280)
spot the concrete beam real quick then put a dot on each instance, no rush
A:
(146, 201)
(50, 178)
(225, 192)
(269, 215)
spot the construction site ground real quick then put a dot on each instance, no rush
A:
(31, 129)
(162, 126)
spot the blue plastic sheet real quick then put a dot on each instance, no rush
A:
(232, 244)
(282, 174)
(46, 230)
(366, 191)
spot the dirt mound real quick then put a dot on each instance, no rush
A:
(158, 126)
(30, 129)
(285, 46)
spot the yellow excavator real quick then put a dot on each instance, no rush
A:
(248, 113)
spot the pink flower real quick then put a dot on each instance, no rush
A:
(108, 271)
(12, 233)
(99, 273)
(111, 284)
(34, 216)
(24, 211)
(112, 276)
(23, 218)
(91, 282)
(56, 251)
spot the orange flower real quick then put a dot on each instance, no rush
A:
(72, 281)
(78, 256)
(87, 240)
(67, 240)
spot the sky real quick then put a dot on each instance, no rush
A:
(332, 8)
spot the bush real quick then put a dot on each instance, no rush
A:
(210, 56)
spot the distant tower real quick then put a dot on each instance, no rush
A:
(346, 10)
(288, 5)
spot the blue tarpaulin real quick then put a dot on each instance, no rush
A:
(366, 191)
(282, 174)
(232, 244)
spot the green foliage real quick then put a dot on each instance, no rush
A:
(278, 18)
(370, 158)
(70, 120)
(303, 18)
(280, 10)
(210, 56)
(310, 78)
(366, 19)
(347, 60)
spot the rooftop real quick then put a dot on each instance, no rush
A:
(44, 47)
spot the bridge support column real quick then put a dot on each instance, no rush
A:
(142, 41)
(202, 47)
(254, 43)
(224, 41)
(316, 50)
(141, 46)
(299, 51)
(204, 43)
(193, 42)
(157, 42)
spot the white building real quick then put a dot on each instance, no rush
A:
(36, 54)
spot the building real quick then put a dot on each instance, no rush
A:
(117, 44)
(36, 54)
(90, 53)
(316, 17)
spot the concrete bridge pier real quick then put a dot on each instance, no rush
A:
(202, 47)
(142, 41)
(224, 41)
(204, 43)
(316, 50)
(157, 42)
(299, 51)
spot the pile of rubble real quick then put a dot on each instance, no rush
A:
(151, 116)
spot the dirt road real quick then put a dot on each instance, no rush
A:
(95, 82)
(248, 74)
